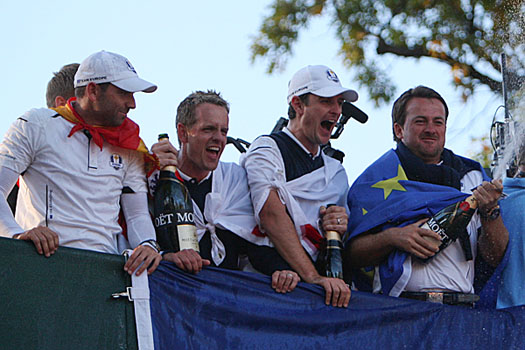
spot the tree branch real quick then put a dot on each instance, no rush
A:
(420, 51)
(417, 51)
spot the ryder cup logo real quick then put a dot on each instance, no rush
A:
(330, 74)
(130, 67)
(115, 161)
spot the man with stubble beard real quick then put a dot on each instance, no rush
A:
(398, 192)
(79, 164)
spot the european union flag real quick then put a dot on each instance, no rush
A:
(383, 197)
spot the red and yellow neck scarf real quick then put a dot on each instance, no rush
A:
(126, 135)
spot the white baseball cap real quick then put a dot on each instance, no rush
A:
(320, 81)
(108, 67)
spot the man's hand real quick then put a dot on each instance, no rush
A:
(334, 218)
(45, 240)
(493, 240)
(143, 255)
(284, 281)
(487, 194)
(166, 153)
(415, 240)
(372, 248)
(337, 291)
(188, 260)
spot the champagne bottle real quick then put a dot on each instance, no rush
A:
(450, 222)
(330, 260)
(173, 211)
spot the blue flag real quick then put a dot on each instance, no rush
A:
(224, 309)
(383, 197)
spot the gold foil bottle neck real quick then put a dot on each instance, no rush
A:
(171, 168)
(333, 235)
(472, 202)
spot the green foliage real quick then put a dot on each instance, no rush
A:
(467, 35)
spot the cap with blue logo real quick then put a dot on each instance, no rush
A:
(108, 67)
(318, 80)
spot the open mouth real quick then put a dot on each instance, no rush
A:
(327, 124)
(214, 149)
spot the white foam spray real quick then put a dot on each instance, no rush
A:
(515, 125)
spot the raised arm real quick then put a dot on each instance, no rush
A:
(166, 153)
(494, 237)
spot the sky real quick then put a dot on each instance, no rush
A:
(184, 46)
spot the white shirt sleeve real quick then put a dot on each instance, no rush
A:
(138, 220)
(264, 169)
(136, 175)
(8, 225)
(21, 142)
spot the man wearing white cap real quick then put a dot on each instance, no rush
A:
(291, 180)
(78, 163)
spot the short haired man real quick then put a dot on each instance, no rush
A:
(221, 199)
(74, 174)
(291, 180)
(398, 192)
(60, 88)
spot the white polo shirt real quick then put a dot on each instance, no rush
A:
(68, 183)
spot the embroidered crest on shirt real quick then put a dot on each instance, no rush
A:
(115, 161)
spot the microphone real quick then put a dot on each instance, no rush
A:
(348, 111)
(351, 111)
(238, 143)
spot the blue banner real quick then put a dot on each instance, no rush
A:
(223, 309)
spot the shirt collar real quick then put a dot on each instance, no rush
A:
(292, 136)
(189, 178)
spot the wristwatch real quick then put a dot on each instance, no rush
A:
(152, 243)
(491, 214)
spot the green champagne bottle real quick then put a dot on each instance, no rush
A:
(450, 222)
(330, 260)
(173, 212)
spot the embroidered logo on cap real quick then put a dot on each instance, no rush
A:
(330, 74)
(115, 161)
(130, 67)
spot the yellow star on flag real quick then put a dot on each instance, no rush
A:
(364, 211)
(392, 184)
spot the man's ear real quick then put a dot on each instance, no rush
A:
(60, 101)
(297, 105)
(398, 130)
(182, 133)
(92, 91)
